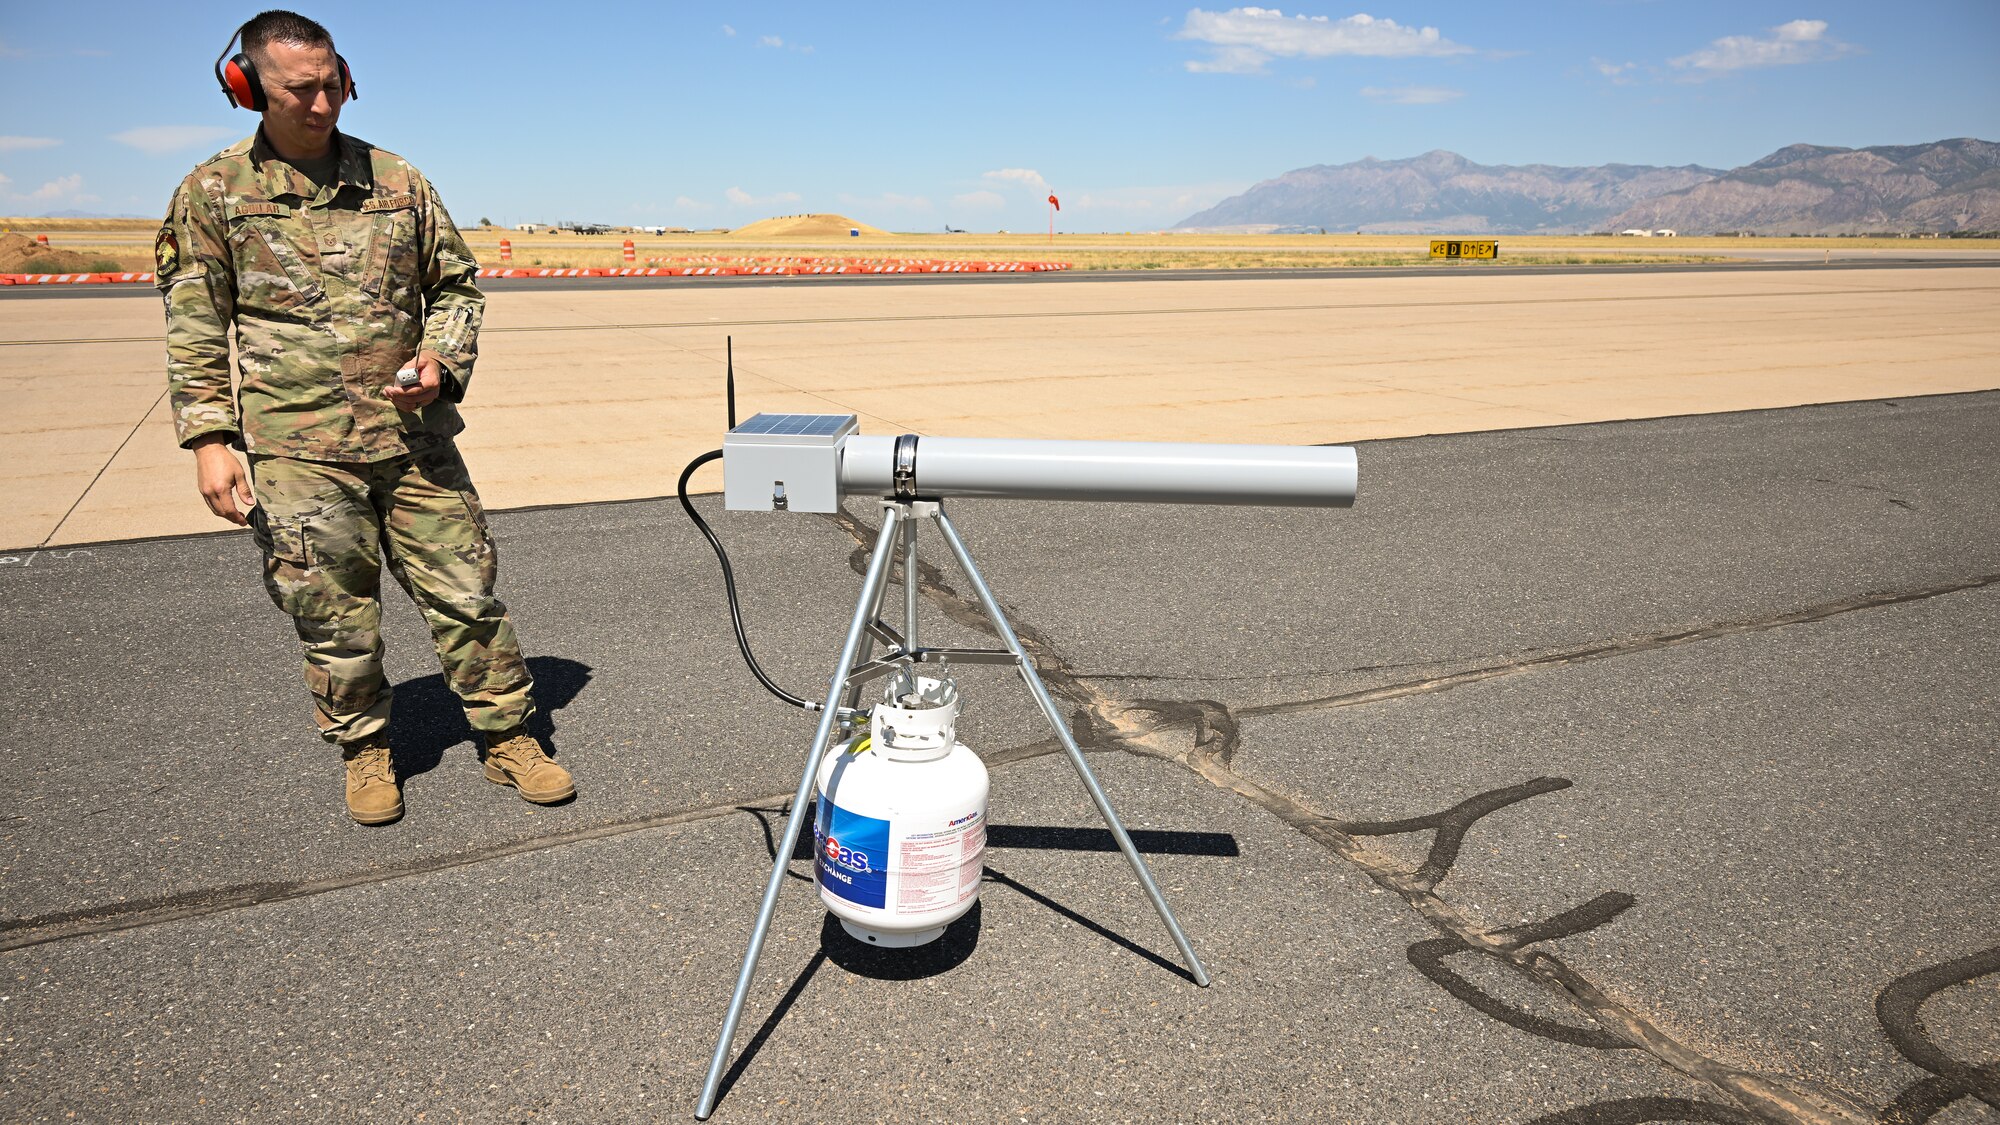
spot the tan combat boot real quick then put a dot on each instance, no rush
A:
(515, 758)
(373, 797)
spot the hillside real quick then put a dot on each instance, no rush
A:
(1947, 186)
(1443, 192)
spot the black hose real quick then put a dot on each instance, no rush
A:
(729, 585)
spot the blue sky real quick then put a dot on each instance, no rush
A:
(911, 117)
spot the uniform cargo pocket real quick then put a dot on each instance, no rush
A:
(281, 540)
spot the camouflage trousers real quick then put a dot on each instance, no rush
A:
(325, 529)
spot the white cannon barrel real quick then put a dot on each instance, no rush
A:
(1130, 471)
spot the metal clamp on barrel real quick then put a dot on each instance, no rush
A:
(906, 467)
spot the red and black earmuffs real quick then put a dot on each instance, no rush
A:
(240, 84)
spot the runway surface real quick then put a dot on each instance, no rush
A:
(605, 393)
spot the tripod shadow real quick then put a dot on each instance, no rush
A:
(428, 719)
(904, 964)
(960, 938)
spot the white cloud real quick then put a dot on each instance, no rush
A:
(729, 31)
(10, 52)
(1231, 60)
(1024, 176)
(21, 144)
(159, 140)
(1620, 74)
(1244, 39)
(743, 198)
(1411, 95)
(1800, 41)
(979, 199)
(778, 43)
(687, 204)
(63, 189)
(4, 181)
(66, 188)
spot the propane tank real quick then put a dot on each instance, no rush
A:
(899, 837)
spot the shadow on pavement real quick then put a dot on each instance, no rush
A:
(428, 720)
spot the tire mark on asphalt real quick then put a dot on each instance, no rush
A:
(1208, 748)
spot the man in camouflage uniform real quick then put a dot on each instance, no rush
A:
(338, 266)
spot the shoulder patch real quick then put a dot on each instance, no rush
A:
(166, 253)
(390, 202)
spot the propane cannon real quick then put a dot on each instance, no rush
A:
(900, 821)
(809, 462)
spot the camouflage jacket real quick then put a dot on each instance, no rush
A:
(330, 292)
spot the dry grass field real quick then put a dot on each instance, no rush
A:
(100, 239)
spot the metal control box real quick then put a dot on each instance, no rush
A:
(785, 462)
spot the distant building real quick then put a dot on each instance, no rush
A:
(1636, 233)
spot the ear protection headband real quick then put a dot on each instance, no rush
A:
(240, 84)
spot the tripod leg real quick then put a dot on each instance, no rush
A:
(910, 641)
(867, 650)
(864, 612)
(1048, 705)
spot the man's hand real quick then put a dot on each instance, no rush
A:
(429, 379)
(221, 479)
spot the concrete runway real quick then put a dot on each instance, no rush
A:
(1581, 774)
(605, 393)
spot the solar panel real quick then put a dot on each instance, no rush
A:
(795, 425)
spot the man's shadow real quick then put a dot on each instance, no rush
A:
(429, 720)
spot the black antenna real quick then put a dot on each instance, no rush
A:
(730, 343)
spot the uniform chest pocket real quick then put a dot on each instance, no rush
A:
(393, 257)
(272, 271)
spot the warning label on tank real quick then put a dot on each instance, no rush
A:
(941, 869)
(852, 854)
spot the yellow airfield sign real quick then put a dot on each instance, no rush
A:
(1454, 248)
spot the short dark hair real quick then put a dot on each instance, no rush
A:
(283, 27)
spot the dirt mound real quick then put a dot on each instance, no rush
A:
(17, 250)
(793, 226)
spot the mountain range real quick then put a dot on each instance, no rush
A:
(1943, 187)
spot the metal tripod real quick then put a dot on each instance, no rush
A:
(856, 668)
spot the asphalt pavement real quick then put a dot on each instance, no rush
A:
(1626, 772)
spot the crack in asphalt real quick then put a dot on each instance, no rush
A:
(1213, 736)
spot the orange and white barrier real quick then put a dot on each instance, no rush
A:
(631, 253)
(506, 250)
(656, 267)
(73, 278)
